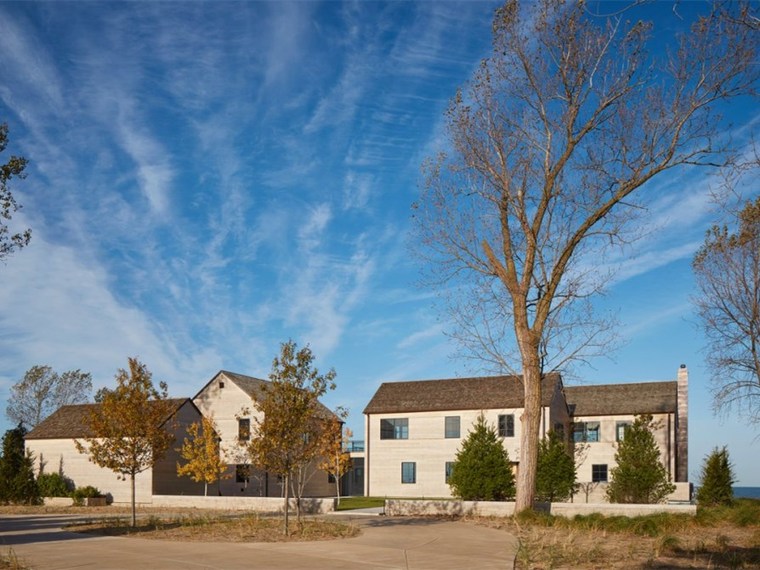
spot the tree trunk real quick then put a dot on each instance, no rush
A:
(205, 488)
(286, 480)
(134, 512)
(529, 436)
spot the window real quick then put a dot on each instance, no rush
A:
(449, 469)
(507, 425)
(244, 429)
(585, 432)
(242, 473)
(599, 473)
(620, 430)
(452, 426)
(394, 429)
(408, 472)
(331, 478)
(559, 429)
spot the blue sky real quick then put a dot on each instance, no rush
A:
(207, 180)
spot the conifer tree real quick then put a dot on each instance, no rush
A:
(639, 477)
(17, 483)
(716, 480)
(555, 476)
(482, 470)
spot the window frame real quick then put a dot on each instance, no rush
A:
(394, 428)
(448, 470)
(452, 427)
(597, 471)
(244, 429)
(506, 425)
(626, 425)
(242, 473)
(584, 429)
(406, 466)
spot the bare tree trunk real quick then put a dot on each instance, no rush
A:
(529, 435)
(205, 488)
(134, 511)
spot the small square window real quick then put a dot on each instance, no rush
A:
(242, 473)
(449, 470)
(244, 429)
(507, 425)
(452, 426)
(408, 472)
(599, 473)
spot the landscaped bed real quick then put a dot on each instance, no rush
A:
(201, 528)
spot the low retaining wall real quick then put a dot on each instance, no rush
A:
(57, 501)
(403, 507)
(255, 504)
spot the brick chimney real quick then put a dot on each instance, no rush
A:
(682, 425)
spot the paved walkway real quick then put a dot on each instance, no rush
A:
(385, 543)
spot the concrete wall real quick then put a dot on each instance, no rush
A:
(400, 507)
(254, 504)
(52, 454)
(427, 446)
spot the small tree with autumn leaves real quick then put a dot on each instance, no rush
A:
(288, 439)
(335, 460)
(203, 454)
(128, 425)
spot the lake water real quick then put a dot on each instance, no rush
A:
(747, 492)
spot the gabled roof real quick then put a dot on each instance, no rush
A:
(255, 388)
(69, 422)
(622, 399)
(479, 393)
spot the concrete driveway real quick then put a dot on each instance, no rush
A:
(385, 543)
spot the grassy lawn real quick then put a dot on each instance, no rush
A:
(723, 537)
(349, 503)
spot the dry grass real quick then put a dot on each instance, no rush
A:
(720, 538)
(9, 561)
(249, 528)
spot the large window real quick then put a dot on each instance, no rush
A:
(449, 470)
(408, 472)
(394, 429)
(585, 432)
(599, 473)
(507, 425)
(620, 430)
(244, 429)
(452, 426)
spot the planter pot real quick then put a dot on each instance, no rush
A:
(95, 502)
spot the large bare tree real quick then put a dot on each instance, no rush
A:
(13, 168)
(727, 271)
(42, 391)
(549, 142)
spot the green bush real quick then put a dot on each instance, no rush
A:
(82, 493)
(54, 485)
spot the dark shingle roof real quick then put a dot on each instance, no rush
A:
(622, 399)
(456, 394)
(69, 422)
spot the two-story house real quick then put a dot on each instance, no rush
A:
(414, 429)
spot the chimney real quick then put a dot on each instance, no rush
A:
(682, 425)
